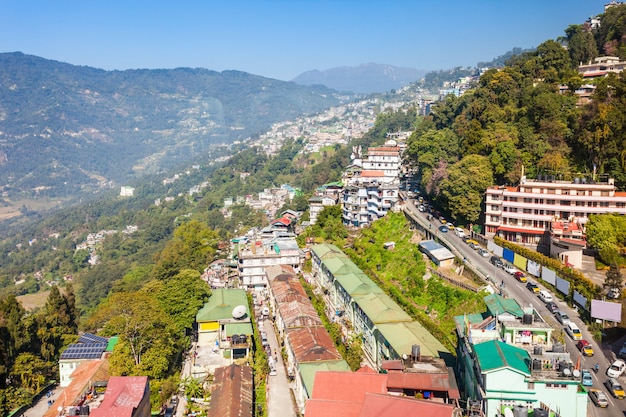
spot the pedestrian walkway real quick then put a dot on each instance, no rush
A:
(280, 403)
(45, 402)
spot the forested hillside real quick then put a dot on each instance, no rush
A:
(68, 130)
(519, 119)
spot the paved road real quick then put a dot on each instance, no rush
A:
(280, 402)
(604, 354)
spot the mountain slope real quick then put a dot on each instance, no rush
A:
(66, 129)
(365, 79)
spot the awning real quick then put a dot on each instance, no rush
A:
(238, 328)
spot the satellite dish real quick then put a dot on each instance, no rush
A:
(508, 412)
(240, 311)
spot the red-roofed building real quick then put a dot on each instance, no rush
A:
(366, 394)
(125, 396)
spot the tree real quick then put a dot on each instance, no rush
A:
(613, 277)
(465, 186)
(137, 318)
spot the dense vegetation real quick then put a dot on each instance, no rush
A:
(72, 129)
(518, 120)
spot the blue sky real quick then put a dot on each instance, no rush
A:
(282, 38)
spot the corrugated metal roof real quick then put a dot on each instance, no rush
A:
(402, 336)
(220, 305)
(496, 304)
(348, 386)
(377, 405)
(380, 308)
(122, 396)
(231, 392)
(298, 314)
(308, 371)
(312, 344)
(495, 355)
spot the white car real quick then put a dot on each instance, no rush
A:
(616, 369)
(509, 269)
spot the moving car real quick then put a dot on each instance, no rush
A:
(585, 348)
(483, 252)
(615, 388)
(622, 352)
(616, 369)
(519, 275)
(443, 228)
(562, 317)
(599, 398)
(459, 232)
(585, 378)
(533, 287)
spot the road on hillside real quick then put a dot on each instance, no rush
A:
(514, 289)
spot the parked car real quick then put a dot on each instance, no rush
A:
(519, 275)
(585, 378)
(545, 296)
(562, 317)
(598, 398)
(509, 269)
(585, 347)
(496, 261)
(466, 239)
(532, 287)
(615, 388)
(552, 307)
(483, 252)
(616, 369)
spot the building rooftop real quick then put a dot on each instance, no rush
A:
(122, 396)
(231, 392)
(380, 308)
(494, 355)
(404, 335)
(312, 344)
(309, 370)
(221, 304)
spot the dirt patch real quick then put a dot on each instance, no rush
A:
(33, 301)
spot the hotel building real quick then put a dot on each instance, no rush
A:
(526, 213)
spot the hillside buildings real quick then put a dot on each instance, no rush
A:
(371, 185)
(506, 359)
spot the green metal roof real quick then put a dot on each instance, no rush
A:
(308, 370)
(112, 342)
(340, 266)
(402, 337)
(324, 249)
(238, 328)
(380, 308)
(357, 284)
(496, 304)
(220, 305)
(495, 355)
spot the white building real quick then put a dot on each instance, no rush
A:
(127, 191)
(525, 213)
(254, 256)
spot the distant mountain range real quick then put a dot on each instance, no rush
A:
(364, 79)
(68, 129)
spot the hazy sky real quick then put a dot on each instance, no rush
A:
(282, 38)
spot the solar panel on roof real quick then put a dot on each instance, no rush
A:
(84, 351)
(92, 338)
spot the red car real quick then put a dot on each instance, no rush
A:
(519, 275)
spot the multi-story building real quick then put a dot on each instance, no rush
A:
(506, 359)
(255, 255)
(371, 185)
(525, 213)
